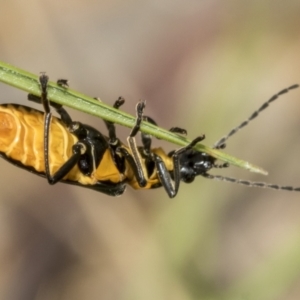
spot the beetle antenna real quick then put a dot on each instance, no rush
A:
(252, 183)
(221, 143)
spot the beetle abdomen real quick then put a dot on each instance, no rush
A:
(22, 138)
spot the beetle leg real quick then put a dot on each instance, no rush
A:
(65, 117)
(78, 149)
(163, 174)
(37, 99)
(137, 169)
(147, 139)
(178, 130)
(113, 140)
(134, 158)
(63, 83)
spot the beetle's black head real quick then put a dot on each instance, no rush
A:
(194, 163)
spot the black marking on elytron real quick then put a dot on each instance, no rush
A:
(222, 141)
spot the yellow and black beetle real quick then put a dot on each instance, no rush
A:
(75, 153)
(67, 151)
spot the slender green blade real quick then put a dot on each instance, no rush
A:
(29, 82)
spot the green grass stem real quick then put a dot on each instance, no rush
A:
(29, 83)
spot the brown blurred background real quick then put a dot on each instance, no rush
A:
(201, 65)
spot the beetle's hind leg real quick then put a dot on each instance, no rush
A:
(78, 149)
(36, 99)
(64, 115)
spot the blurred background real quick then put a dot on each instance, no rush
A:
(201, 65)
